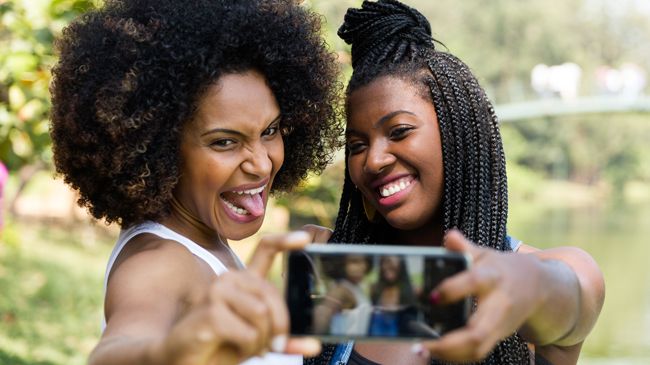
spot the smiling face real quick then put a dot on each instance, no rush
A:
(356, 268)
(395, 155)
(230, 153)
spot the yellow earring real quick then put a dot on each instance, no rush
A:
(371, 212)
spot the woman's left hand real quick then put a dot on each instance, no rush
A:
(508, 288)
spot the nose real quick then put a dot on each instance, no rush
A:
(258, 162)
(378, 158)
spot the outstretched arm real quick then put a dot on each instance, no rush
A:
(153, 319)
(591, 295)
(552, 297)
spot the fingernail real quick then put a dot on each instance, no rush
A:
(419, 350)
(435, 297)
(311, 348)
(298, 236)
(279, 343)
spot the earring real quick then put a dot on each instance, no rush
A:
(371, 212)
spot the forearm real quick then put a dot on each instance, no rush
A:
(572, 295)
(557, 309)
(126, 350)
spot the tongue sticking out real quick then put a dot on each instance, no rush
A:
(252, 203)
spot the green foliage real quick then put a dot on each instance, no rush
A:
(51, 302)
(583, 149)
(317, 200)
(27, 31)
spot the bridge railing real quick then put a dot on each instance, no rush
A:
(556, 107)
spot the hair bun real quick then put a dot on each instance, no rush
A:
(385, 23)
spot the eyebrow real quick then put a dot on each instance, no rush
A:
(383, 120)
(236, 132)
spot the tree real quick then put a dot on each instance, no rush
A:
(27, 32)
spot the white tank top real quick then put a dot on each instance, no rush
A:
(217, 266)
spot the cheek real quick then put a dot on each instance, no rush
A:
(276, 154)
(355, 168)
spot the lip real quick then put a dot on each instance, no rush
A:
(387, 179)
(244, 218)
(396, 198)
(248, 186)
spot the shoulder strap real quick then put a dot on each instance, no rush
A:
(161, 231)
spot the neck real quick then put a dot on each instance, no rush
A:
(431, 234)
(188, 224)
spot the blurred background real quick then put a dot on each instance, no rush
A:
(569, 79)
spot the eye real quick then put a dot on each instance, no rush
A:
(223, 143)
(355, 147)
(400, 132)
(271, 130)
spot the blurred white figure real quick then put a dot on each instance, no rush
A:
(562, 80)
(628, 81)
(634, 80)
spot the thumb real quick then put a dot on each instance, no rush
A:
(306, 346)
(270, 245)
(457, 242)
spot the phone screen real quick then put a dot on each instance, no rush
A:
(350, 291)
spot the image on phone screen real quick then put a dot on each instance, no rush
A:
(370, 291)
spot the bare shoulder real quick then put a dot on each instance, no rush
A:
(150, 259)
(152, 281)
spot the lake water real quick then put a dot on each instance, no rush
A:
(617, 237)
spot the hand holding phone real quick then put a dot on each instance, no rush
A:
(353, 291)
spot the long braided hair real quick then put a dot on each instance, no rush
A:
(389, 38)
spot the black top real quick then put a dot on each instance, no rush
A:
(357, 359)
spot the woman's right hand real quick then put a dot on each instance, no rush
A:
(241, 316)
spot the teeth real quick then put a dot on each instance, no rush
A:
(238, 210)
(251, 191)
(395, 187)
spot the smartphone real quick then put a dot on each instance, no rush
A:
(340, 292)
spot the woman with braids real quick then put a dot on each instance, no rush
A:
(425, 166)
(176, 119)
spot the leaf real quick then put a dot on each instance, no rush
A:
(19, 62)
(17, 97)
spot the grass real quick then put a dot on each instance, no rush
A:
(51, 281)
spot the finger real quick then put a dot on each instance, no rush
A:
(476, 281)
(233, 330)
(474, 341)
(456, 241)
(318, 234)
(278, 315)
(308, 347)
(270, 245)
(493, 315)
(244, 294)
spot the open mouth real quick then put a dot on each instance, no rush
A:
(395, 187)
(245, 202)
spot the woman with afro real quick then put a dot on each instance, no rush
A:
(425, 166)
(176, 120)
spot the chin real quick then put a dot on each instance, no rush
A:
(404, 223)
(240, 234)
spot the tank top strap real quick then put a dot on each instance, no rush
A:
(513, 243)
(342, 353)
(162, 231)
